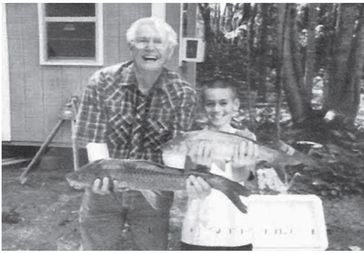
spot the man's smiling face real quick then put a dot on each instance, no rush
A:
(150, 49)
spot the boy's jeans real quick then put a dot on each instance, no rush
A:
(102, 218)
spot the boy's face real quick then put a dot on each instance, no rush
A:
(220, 105)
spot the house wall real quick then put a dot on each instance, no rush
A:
(5, 101)
(39, 92)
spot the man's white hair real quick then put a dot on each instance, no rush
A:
(159, 24)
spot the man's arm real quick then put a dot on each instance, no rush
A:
(91, 128)
(91, 124)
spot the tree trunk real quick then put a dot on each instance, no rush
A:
(205, 13)
(262, 51)
(251, 64)
(310, 50)
(293, 71)
(282, 17)
(346, 67)
(227, 18)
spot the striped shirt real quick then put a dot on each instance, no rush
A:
(133, 125)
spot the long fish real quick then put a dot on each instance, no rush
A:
(223, 145)
(144, 175)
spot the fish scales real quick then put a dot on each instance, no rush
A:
(139, 178)
(223, 145)
(143, 175)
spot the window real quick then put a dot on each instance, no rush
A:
(70, 34)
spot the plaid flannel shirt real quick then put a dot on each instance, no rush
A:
(115, 112)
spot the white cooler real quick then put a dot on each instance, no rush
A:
(288, 222)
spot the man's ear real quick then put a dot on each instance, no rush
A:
(170, 52)
(130, 45)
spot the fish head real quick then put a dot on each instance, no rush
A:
(80, 179)
(174, 151)
(177, 144)
(73, 181)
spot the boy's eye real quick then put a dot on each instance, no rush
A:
(223, 102)
(209, 104)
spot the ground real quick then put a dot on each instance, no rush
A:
(43, 213)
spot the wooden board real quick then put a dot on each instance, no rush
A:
(15, 160)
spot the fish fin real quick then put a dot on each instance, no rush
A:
(237, 201)
(251, 176)
(291, 182)
(281, 173)
(152, 198)
(202, 168)
(220, 164)
(189, 165)
(240, 190)
(231, 189)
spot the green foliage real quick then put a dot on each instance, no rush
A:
(223, 59)
(227, 50)
(242, 43)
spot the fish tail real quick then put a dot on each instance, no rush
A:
(231, 189)
(237, 188)
(237, 201)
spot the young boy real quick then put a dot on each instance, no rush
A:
(212, 222)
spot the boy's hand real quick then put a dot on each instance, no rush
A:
(244, 155)
(197, 187)
(201, 153)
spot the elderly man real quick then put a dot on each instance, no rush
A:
(127, 111)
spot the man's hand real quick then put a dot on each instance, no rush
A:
(197, 187)
(104, 187)
(96, 151)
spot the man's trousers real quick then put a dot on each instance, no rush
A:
(102, 219)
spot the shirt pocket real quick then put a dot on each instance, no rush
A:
(162, 112)
(120, 122)
(156, 132)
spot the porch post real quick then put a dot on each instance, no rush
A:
(5, 104)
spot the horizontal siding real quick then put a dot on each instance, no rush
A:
(38, 93)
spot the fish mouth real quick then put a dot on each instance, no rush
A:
(75, 184)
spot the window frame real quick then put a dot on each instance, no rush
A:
(99, 47)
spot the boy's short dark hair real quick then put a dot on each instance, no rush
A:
(225, 83)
